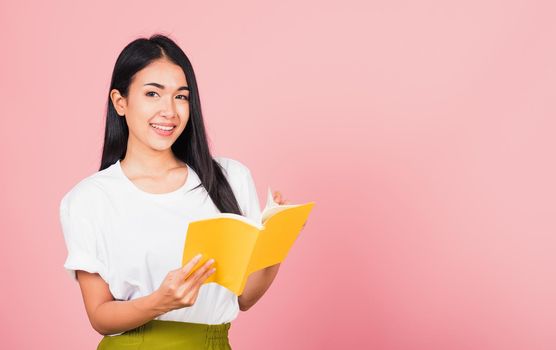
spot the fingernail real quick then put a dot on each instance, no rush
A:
(198, 256)
(211, 261)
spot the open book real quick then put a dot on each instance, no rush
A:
(241, 246)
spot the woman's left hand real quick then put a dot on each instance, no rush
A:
(277, 196)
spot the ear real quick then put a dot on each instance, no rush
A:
(118, 101)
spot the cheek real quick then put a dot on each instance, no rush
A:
(140, 112)
(146, 109)
(183, 110)
(137, 119)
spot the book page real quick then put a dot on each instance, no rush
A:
(272, 207)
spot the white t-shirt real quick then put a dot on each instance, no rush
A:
(133, 238)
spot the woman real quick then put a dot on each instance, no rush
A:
(125, 225)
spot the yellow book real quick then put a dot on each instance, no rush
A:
(241, 246)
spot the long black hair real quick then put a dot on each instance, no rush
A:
(191, 146)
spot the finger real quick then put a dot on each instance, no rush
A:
(192, 284)
(190, 264)
(191, 292)
(193, 278)
(202, 279)
(210, 270)
(188, 282)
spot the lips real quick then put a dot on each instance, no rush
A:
(163, 126)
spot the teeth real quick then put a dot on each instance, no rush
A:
(167, 128)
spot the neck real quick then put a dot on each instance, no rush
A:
(141, 159)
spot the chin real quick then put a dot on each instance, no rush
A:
(161, 145)
(162, 148)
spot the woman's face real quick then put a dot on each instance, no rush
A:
(157, 100)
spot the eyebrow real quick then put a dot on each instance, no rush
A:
(162, 86)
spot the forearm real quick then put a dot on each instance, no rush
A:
(257, 284)
(119, 316)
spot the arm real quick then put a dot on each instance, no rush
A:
(109, 316)
(255, 287)
(179, 289)
(259, 281)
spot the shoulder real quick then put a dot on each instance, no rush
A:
(86, 194)
(238, 175)
(243, 185)
(233, 166)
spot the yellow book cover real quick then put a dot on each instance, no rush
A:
(241, 246)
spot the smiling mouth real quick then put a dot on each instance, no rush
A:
(163, 127)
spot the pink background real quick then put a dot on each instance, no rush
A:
(424, 131)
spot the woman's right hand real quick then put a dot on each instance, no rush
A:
(180, 290)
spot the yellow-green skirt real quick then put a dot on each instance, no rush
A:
(170, 335)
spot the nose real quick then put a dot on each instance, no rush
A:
(168, 108)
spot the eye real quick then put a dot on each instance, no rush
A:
(150, 92)
(184, 97)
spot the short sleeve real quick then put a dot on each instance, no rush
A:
(81, 232)
(243, 186)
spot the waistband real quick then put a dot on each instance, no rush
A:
(176, 327)
(156, 333)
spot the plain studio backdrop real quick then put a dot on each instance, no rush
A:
(423, 130)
